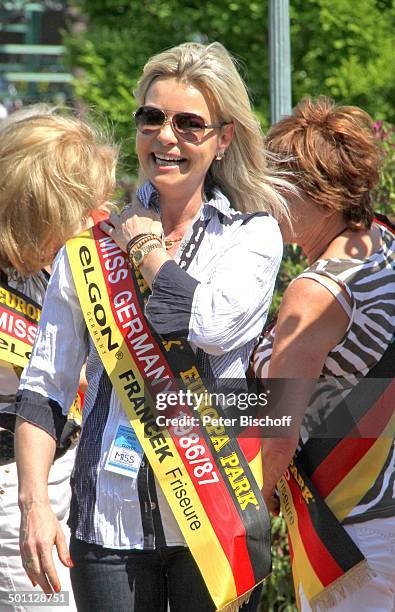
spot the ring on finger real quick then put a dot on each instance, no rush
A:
(29, 563)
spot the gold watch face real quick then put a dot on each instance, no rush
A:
(138, 257)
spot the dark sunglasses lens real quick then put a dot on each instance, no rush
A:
(188, 122)
(149, 118)
(188, 125)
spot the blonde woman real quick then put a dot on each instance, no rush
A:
(54, 171)
(206, 223)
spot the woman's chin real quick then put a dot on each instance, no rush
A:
(168, 181)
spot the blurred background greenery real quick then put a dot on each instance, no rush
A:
(339, 48)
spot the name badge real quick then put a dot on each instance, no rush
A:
(126, 453)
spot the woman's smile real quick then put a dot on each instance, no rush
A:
(166, 161)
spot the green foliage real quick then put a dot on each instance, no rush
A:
(384, 196)
(293, 263)
(278, 593)
(345, 50)
(339, 48)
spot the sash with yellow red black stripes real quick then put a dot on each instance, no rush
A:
(19, 317)
(201, 467)
(329, 477)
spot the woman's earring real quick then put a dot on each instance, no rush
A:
(220, 155)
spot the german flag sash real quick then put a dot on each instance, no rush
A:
(329, 477)
(19, 317)
(202, 470)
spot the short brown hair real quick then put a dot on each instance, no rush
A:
(332, 154)
(54, 169)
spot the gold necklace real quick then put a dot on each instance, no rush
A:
(169, 243)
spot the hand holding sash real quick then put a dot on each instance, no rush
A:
(135, 219)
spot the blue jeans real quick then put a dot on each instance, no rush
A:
(106, 579)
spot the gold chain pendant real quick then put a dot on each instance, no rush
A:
(170, 243)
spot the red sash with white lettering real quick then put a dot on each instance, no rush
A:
(19, 317)
(205, 476)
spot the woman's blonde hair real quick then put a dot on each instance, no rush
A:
(242, 174)
(54, 169)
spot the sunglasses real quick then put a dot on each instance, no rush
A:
(189, 126)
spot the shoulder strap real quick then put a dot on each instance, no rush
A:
(384, 220)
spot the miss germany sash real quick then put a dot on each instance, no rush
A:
(19, 317)
(201, 468)
(329, 477)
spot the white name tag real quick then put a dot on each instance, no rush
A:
(126, 452)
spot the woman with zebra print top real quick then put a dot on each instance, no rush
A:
(337, 318)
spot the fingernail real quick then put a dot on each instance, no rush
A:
(70, 563)
(57, 589)
(33, 583)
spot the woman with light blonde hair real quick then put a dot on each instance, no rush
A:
(203, 234)
(55, 170)
(242, 173)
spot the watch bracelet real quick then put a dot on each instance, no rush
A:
(133, 241)
(139, 240)
(137, 244)
(155, 242)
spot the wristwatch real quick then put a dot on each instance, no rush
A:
(136, 256)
